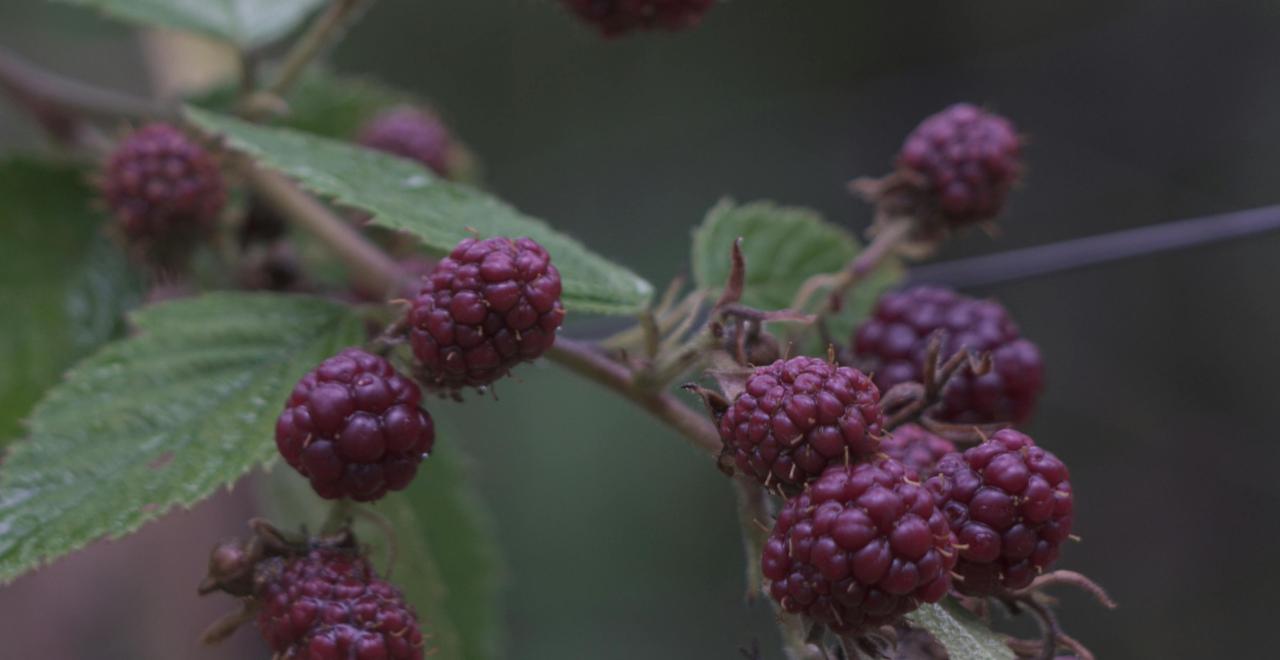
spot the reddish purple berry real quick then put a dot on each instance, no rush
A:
(161, 186)
(617, 17)
(859, 548)
(892, 344)
(795, 417)
(411, 133)
(1010, 506)
(355, 428)
(329, 605)
(488, 306)
(968, 159)
(916, 448)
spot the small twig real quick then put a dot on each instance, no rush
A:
(885, 243)
(41, 90)
(309, 45)
(754, 520)
(1073, 579)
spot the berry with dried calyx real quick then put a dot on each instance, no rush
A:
(1010, 505)
(354, 427)
(795, 417)
(617, 17)
(487, 307)
(859, 548)
(893, 342)
(413, 133)
(163, 188)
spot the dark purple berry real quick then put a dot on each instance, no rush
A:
(617, 17)
(162, 186)
(1010, 505)
(891, 345)
(330, 605)
(411, 133)
(355, 427)
(967, 158)
(488, 306)
(795, 417)
(916, 448)
(860, 547)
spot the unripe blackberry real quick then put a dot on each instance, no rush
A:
(859, 548)
(162, 186)
(354, 427)
(795, 417)
(967, 158)
(411, 133)
(1010, 506)
(916, 448)
(330, 605)
(618, 17)
(488, 306)
(892, 345)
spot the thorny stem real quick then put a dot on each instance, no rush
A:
(314, 40)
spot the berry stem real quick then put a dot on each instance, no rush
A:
(50, 96)
(308, 46)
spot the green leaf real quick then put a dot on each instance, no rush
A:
(963, 635)
(160, 419)
(401, 195)
(446, 558)
(245, 23)
(63, 286)
(783, 247)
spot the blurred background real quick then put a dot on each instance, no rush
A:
(620, 541)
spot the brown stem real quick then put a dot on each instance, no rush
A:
(309, 45)
(42, 92)
(886, 241)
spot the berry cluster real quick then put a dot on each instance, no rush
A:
(162, 187)
(1010, 505)
(488, 306)
(967, 159)
(618, 17)
(329, 604)
(355, 428)
(860, 547)
(893, 342)
(795, 417)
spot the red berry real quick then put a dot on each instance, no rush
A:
(968, 159)
(860, 547)
(892, 344)
(329, 605)
(161, 185)
(488, 306)
(355, 428)
(795, 417)
(617, 17)
(915, 448)
(1010, 506)
(411, 133)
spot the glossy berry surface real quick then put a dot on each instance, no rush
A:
(968, 158)
(862, 546)
(795, 417)
(891, 345)
(161, 185)
(1010, 505)
(916, 448)
(329, 605)
(355, 428)
(618, 17)
(410, 133)
(488, 306)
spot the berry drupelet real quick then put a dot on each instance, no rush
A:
(354, 427)
(860, 547)
(488, 306)
(1010, 505)
(892, 344)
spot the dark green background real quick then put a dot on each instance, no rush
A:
(621, 541)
